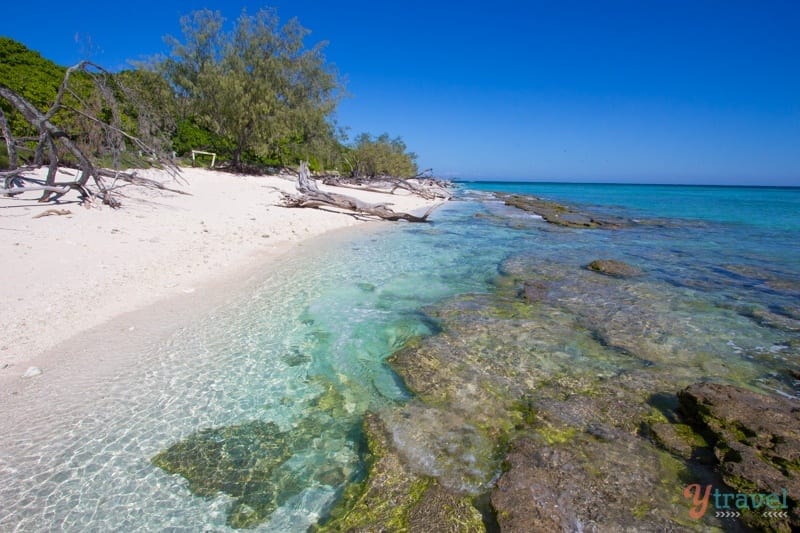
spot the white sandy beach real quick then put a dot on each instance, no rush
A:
(67, 274)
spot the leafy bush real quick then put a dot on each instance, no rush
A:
(381, 157)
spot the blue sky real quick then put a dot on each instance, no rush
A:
(619, 91)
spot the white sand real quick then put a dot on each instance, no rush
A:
(64, 275)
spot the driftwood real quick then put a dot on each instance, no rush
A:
(427, 188)
(55, 143)
(49, 212)
(310, 195)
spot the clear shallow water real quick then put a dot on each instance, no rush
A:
(309, 343)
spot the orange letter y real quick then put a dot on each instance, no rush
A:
(699, 505)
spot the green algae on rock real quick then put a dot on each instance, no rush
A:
(237, 460)
(393, 498)
(614, 268)
(251, 462)
(588, 484)
(562, 215)
(756, 440)
(500, 368)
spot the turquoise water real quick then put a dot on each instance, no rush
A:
(702, 229)
(305, 349)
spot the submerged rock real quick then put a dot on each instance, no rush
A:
(766, 317)
(250, 462)
(755, 438)
(237, 460)
(646, 320)
(614, 268)
(765, 278)
(678, 439)
(534, 291)
(394, 498)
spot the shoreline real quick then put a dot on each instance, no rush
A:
(118, 393)
(80, 275)
(76, 369)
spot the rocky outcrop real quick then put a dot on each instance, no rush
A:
(614, 268)
(562, 215)
(394, 498)
(498, 373)
(756, 440)
(586, 484)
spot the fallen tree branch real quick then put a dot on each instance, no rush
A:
(311, 196)
(134, 179)
(427, 188)
(48, 212)
(51, 188)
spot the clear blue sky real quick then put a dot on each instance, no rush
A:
(648, 91)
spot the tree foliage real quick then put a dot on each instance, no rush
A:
(255, 94)
(149, 106)
(381, 156)
(59, 145)
(256, 85)
(29, 74)
(137, 101)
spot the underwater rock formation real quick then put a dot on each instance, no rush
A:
(237, 460)
(250, 462)
(394, 498)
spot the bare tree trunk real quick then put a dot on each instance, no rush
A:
(425, 188)
(52, 170)
(46, 128)
(38, 154)
(11, 147)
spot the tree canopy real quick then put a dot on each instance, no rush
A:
(253, 92)
(135, 101)
(381, 156)
(28, 73)
(256, 85)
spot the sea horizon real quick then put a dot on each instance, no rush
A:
(622, 183)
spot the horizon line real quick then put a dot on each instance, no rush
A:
(645, 184)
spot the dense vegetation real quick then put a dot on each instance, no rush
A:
(254, 94)
(371, 157)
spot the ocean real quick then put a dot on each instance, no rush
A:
(299, 359)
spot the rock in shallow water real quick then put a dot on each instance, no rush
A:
(614, 268)
(563, 215)
(586, 485)
(237, 460)
(394, 498)
(756, 439)
(251, 461)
